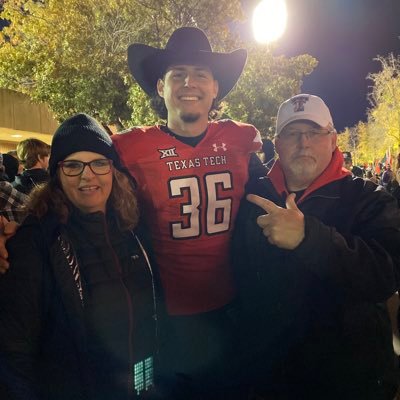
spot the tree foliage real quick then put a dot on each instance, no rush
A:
(371, 140)
(71, 54)
(266, 82)
(364, 141)
(385, 99)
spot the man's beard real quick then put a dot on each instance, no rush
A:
(190, 118)
(302, 169)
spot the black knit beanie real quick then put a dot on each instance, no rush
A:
(80, 133)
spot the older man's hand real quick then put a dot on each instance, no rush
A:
(7, 229)
(283, 227)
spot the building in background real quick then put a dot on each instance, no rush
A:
(21, 119)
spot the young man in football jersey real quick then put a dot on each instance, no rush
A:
(190, 176)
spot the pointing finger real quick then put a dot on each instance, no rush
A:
(267, 205)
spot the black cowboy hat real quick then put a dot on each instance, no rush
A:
(190, 46)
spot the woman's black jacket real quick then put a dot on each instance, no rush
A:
(45, 345)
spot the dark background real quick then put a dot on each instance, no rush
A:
(345, 36)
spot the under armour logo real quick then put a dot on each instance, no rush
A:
(222, 147)
(168, 153)
(299, 102)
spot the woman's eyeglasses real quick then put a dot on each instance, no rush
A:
(102, 166)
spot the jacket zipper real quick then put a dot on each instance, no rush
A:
(148, 264)
(130, 308)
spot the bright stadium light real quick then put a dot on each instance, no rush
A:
(269, 20)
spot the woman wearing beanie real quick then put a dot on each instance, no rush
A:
(77, 315)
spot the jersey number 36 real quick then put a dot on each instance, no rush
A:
(217, 208)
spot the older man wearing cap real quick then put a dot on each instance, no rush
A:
(190, 177)
(316, 256)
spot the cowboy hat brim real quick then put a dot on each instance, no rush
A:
(147, 64)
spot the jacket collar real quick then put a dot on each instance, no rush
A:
(333, 172)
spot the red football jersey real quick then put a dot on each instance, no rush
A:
(189, 197)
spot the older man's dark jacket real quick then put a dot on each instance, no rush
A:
(314, 321)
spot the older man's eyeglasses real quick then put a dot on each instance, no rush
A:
(312, 134)
(101, 166)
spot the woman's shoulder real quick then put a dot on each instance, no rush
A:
(49, 222)
(35, 230)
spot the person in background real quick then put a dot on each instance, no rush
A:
(316, 255)
(267, 157)
(77, 315)
(347, 160)
(268, 150)
(14, 154)
(387, 177)
(357, 172)
(11, 165)
(348, 164)
(11, 201)
(372, 177)
(397, 171)
(34, 156)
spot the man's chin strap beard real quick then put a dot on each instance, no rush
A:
(190, 118)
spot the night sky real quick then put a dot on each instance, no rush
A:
(345, 36)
